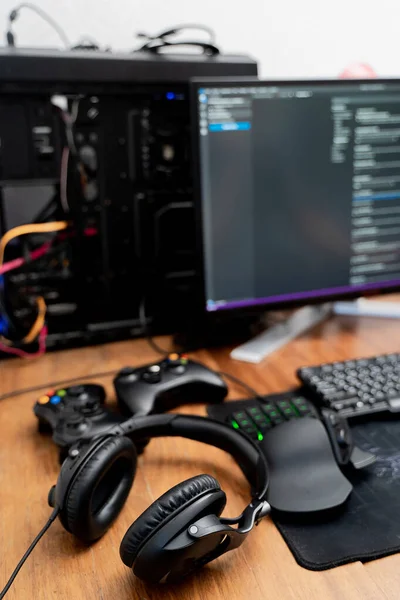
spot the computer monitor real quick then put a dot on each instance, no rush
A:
(299, 189)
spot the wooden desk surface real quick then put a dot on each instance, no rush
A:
(263, 568)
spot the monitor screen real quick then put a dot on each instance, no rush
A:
(299, 189)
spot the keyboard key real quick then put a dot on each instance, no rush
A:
(264, 427)
(260, 420)
(299, 400)
(240, 415)
(395, 403)
(283, 404)
(274, 416)
(362, 362)
(290, 413)
(255, 411)
(251, 431)
(242, 419)
(339, 367)
(322, 389)
(257, 416)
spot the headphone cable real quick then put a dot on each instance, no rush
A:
(242, 384)
(37, 539)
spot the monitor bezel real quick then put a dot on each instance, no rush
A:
(262, 304)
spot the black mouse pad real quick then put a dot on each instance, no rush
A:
(368, 525)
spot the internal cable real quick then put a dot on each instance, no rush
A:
(29, 229)
(69, 119)
(38, 325)
(238, 381)
(37, 539)
(19, 262)
(41, 13)
(64, 179)
(21, 353)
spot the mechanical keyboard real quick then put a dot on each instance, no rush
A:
(257, 416)
(354, 388)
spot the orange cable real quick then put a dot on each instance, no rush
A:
(7, 237)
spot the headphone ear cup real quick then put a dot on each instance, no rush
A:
(166, 508)
(99, 489)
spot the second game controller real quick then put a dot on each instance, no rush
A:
(74, 414)
(55, 405)
(161, 386)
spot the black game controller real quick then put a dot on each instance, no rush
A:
(165, 385)
(75, 413)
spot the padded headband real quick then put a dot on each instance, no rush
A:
(246, 453)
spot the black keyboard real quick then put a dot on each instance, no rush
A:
(258, 415)
(356, 387)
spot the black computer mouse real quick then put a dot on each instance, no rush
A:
(304, 475)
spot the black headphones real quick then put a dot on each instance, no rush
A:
(182, 530)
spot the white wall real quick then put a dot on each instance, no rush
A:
(288, 37)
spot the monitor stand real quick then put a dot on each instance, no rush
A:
(368, 308)
(278, 335)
